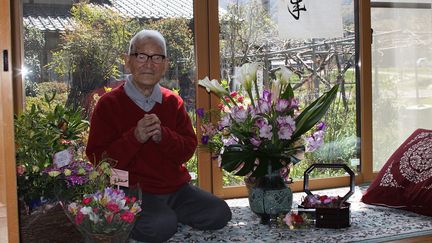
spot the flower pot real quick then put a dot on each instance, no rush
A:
(269, 196)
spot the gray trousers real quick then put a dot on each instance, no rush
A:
(189, 205)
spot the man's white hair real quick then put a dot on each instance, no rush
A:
(151, 34)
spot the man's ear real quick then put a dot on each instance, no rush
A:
(167, 61)
(126, 59)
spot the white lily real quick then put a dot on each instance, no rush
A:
(284, 75)
(246, 75)
(275, 90)
(213, 86)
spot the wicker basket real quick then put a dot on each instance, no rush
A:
(50, 226)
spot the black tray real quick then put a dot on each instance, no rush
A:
(331, 217)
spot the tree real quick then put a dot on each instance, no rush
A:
(179, 40)
(34, 43)
(91, 52)
(246, 30)
(180, 50)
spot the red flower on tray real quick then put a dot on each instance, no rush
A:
(322, 201)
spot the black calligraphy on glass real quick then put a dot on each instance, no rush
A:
(295, 8)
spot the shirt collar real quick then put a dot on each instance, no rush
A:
(135, 93)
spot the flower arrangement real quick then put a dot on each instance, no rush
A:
(258, 133)
(40, 133)
(72, 178)
(106, 212)
(295, 220)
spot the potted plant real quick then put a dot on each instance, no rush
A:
(262, 134)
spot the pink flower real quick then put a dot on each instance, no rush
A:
(127, 216)
(113, 207)
(79, 218)
(87, 200)
(21, 169)
(109, 217)
(127, 199)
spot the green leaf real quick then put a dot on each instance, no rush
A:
(288, 93)
(314, 112)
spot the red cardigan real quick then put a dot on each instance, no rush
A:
(158, 168)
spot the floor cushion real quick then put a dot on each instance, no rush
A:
(405, 181)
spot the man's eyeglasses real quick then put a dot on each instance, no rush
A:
(142, 57)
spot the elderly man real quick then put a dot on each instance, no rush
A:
(146, 129)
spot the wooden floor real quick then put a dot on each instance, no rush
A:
(422, 239)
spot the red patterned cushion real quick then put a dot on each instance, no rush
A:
(405, 181)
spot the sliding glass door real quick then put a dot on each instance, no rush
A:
(401, 73)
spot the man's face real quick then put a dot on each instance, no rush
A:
(146, 73)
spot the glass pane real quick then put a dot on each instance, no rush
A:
(76, 51)
(401, 74)
(316, 41)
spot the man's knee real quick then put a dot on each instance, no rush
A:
(158, 229)
(217, 217)
(223, 215)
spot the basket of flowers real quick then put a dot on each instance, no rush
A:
(104, 216)
(40, 132)
(99, 212)
(329, 211)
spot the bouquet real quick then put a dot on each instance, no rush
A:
(41, 132)
(72, 178)
(106, 212)
(295, 220)
(261, 130)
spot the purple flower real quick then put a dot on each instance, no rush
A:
(267, 96)
(229, 141)
(263, 106)
(315, 141)
(294, 103)
(281, 105)
(266, 131)
(255, 141)
(260, 122)
(225, 122)
(205, 139)
(239, 115)
(200, 112)
(321, 126)
(285, 132)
